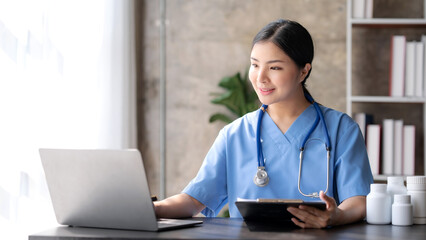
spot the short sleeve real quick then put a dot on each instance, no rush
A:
(209, 186)
(352, 169)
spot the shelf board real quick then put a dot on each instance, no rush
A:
(391, 22)
(382, 177)
(387, 99)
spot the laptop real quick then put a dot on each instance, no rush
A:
(102, 189)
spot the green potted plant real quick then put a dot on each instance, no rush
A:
(239, 98)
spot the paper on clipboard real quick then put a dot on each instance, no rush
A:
(271, 200)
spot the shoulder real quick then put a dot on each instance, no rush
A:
(245, 124)
(339, 124)
(336, 117)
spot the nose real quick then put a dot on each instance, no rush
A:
(262, 76)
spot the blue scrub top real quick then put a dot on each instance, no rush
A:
(230, 165)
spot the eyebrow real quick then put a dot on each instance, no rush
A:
(271, 61)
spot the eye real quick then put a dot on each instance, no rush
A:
(254, 65)
(276, 68)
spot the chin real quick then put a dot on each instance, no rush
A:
(266, 102)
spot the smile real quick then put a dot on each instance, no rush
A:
(266, 91)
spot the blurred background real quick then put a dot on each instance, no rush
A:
(141, 74)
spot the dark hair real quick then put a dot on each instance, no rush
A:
(293, 39)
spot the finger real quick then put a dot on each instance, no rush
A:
(321, 216)
(295, 212)
(301, 214)
(304, 219)
(312, 210)
(319, 219)
(329, 201)
(305, 224)
(298, 223)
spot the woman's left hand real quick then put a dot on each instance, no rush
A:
(311, 217)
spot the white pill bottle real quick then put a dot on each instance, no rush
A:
(402, 210)
(396, 186)
(416, 188)
(379, 205)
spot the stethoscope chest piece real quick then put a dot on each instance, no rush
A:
(261, 178)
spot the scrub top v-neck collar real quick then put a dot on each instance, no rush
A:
(298, 129)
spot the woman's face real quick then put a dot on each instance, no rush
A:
(274, 75)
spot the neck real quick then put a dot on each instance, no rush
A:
(286, 112)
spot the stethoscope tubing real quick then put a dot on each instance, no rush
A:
(319, 118)
(260, 159)
(314, 194)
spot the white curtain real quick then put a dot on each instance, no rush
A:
(67, 80)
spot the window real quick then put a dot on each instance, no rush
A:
(66, 81)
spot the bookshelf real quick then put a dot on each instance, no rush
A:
(377, 24)
(386, 21)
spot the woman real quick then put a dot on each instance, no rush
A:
(281, 61)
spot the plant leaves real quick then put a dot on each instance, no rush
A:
(240, 98)
(231, 100)
(234, 98)
(220, 116)
(230, 83)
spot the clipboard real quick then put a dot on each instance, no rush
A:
(271, 214)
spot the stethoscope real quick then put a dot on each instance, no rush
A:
(261, 178)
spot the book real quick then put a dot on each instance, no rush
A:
(358, 8)
(373, 147)
(419, 69)
(409, 150)
(410, 58)
(424, 67)
(388, 145)
(368, 8)
(398, 133)
(397, 66)
(363, 119)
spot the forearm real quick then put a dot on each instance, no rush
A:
(178, 206)
(351, 210)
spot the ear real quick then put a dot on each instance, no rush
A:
(305, 71)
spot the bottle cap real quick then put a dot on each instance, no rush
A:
(378, 187)
(416, 183)
(402, 198)
(394, 179)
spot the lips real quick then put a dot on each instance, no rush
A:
(266, 91)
